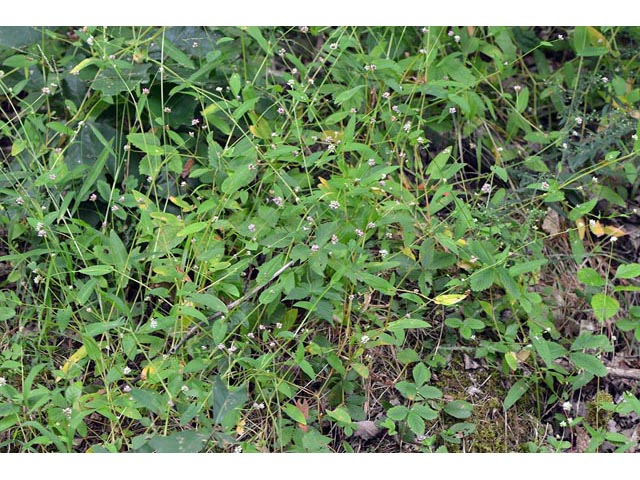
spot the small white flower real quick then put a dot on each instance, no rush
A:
(364, 339)
(544, 185)
(517, 88)
(251, 335)
(251, 228)
(184, 389)
(333, 46)
(67, 412)
(153, 323)
(579, 120)
(195, 122)
(456, 38)
(238, 449)
(278, 325)
(452, 110)
(281, 111)
(315, 248)
(634, 136)
(359, 232)
(334, 205)
(3, 381)
(167, 109)
(594, 179)
(334, 239)
(406, 127)
(291, 82)
(126, 370)
(145, 91)
(486, 188)
(613, 239)
(20, 201)
(605, 79)
(383, 253)
(450, 33)
(278, 201)
(566, 406)
(560, 37)
(194, 44)
(90, 40)
(221, 346)
(386, 95)
(46, 91)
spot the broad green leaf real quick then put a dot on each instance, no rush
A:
(512, 360)
(146, 142)
(208, 300)
(515, 393)
(425, 411)
(449, 299)
(192, 228)
(295, 414)
(527, 267)
(405, 323)
(225, 401)
(415, 423)
(458, 409)
(238, 179)
(482, 279)
(407, 389)
(604, 306)
(421, 374)
(188, 441)
(340, 414)
(582, 209)
(588, 363)
(590, 277)
(96, 270)
(398, 413)
(631, 270)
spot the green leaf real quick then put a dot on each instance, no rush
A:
(188, 441)
(458, 409)
(225, 401)
(588, 363)
(429, 392)
(193, 228)
(96, 270)
(268, 269)
(425, 411)
(421, 374)
(208, 300)
(146, 142)
(295, 414)
(415, 423)
(582, 209)
(590, 277)
(407, 389)
(482, 279)
(235, 84)
(631, 270)
(340, 414)
(527, 267)
(406, 323)
(589, 340)
(604, 306)
(398, 413)
(449, 299)
(515, 393)
(238, 179)
(348, 94)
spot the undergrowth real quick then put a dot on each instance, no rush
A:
(318, 239)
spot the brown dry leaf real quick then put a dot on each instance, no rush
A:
(470, 363)
(582, 439)
(551, 222)
(186, 170)
(366, 430)
(522, 355)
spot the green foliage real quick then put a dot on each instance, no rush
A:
(221, 238)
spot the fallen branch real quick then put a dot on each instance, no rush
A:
(192, 331)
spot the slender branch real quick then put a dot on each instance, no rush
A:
(192, 331)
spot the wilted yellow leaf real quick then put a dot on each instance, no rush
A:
(407, 251)
(596, 228)
(240, 428)
(582, 228)
(148, 370)
(522, 355)
(73, 359)
(450, 299)
(614, 231)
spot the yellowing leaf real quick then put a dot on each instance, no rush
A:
(461, 242)
(450, 299)
(596, 38)
(240, 428)
(148, 370)
(522, 355)
(614, 231)
(407, 251)
(582, 228)
(73, 359)
(512, 360)
(596, 228)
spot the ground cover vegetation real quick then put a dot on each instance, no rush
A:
(319, 239)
